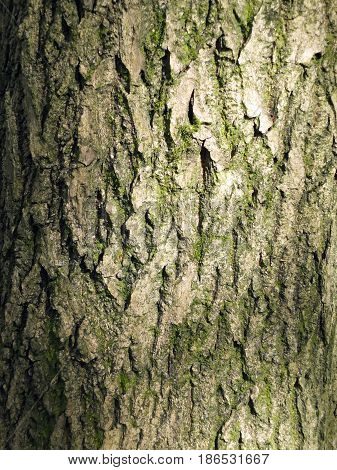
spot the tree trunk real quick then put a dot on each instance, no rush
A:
(168, 224)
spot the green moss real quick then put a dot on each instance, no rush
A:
(276, 423)
(160, 101)
(186, 130)
(185, 140)
(280, 37)
(235, 433)
(294, 419)
(165, 191)
(193, 28)
(126, 381)
(122, 101)
(111, 119)
(99, 248)
(153, 45)
(155, 36)
(270, 197)
(150, 394)
(193, 42)
(245, 18)
(264, 399)
(54, 402)
(231, 135)
(249, 13)
(198, 249)
(94, 434)
(329, 56)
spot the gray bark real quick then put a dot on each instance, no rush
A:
(168, 224)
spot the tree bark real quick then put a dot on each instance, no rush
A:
(168, 224)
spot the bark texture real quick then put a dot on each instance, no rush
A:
(168, 224)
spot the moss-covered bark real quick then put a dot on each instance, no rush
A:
(168, 224)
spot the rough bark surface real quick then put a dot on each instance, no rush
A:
(168, 224)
